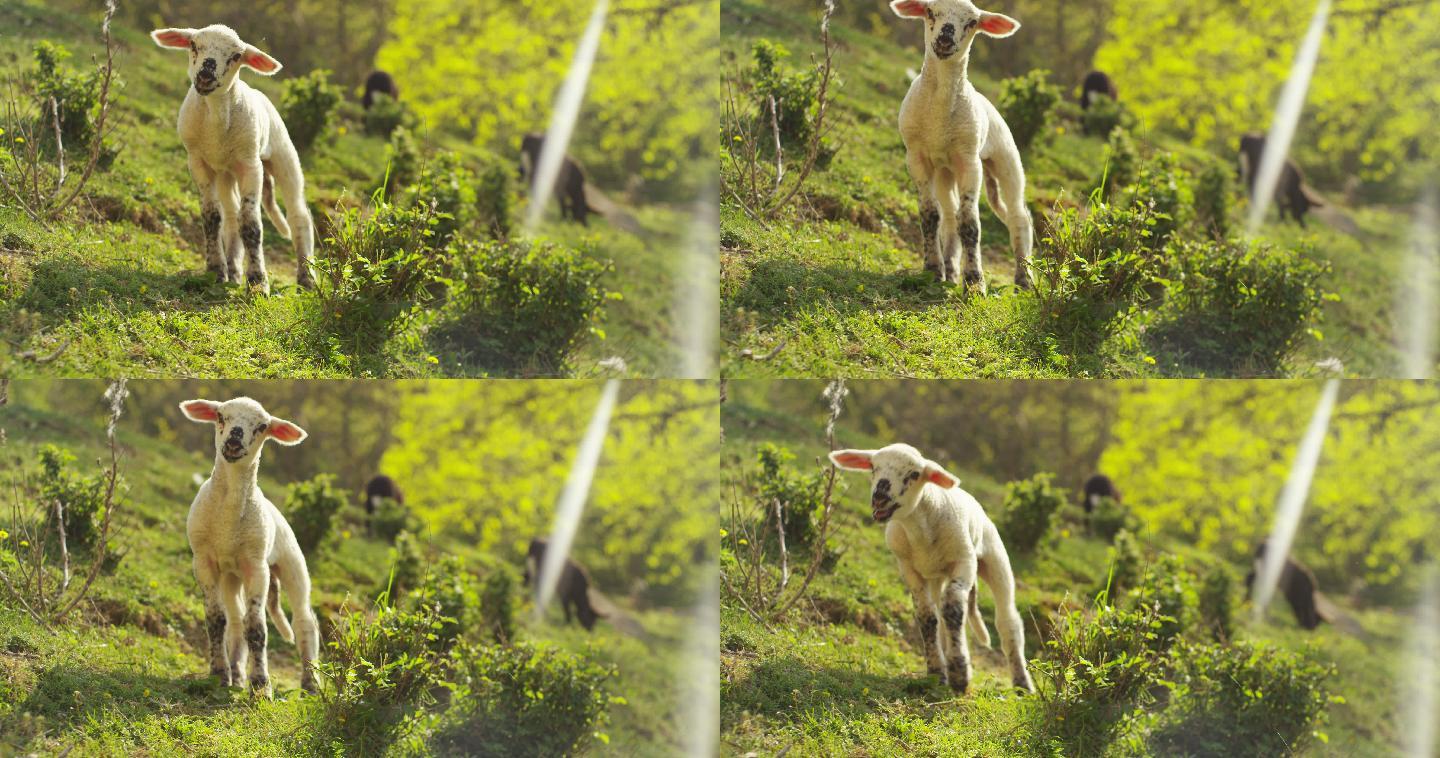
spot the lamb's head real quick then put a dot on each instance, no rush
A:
(216, 55)
(951, 25)
(241, 427)
(897, 475)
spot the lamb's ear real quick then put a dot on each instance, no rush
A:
(176, 38)
(203, 411)
(998, 25)
(256, 58)
(852, 460)
(910, 8)
(286, 432)
(935, 474)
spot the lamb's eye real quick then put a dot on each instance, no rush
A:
(260, 428)
(234, 57)
(219, 419)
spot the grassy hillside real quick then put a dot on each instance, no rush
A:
(118, 285)
(833, 284)
(126, 674)
(842, 673)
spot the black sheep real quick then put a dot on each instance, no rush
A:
(379, 82)
(573, 589)
(1298, 585)
(570, 185)
(1097, 83)
(381, 486)
(1096, 487)
(1292, 195)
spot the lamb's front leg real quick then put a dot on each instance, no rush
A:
(957, 651)
(921, 172)
(967, 181)
(209, 217)
(948, 244)
(250, 177)
(927, 621)
(257, 587)
(214, 621)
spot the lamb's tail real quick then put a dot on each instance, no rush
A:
(267, 199)
(277, 614)
(611, 211)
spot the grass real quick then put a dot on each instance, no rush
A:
(842, 673)
(119, 285)
(128, 675)
(834, 286)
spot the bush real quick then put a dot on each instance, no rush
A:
(1095, 672)
(795, 94)
(1104, 116)
(1094, 269)
(385, 115)
(452, 595)
(523, 305)
(402, 161)
(390, 519)
(1122, 162)
(1238, 308)
(1167, 591)
(406, 565)
(1028, 105)
(1213, 189)
(800, 496)
(492, 201)
(77, 100)
(498, 599)
(81, 498)
(448, 187)
(1162, 189)
(1125, 562)
(1270, 700)
(310, 508)
(1109, 517)
(308, 105)
(374, 272)
(521, 700)
(1030, 506)
(1217, 602)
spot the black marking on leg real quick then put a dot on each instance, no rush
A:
(210, 219)
(969, 235)
(215, 632)
(959, 673)
(255, 638)
(954, 612)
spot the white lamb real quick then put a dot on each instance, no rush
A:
(951, 132)
(245, 551)
(943, 540)
(238, 150)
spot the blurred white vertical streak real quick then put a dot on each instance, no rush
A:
(1287, 116)
(700, 685)
(697, 290)
(562, 119)
(572, 498)
(1415, 292)
(1292, 499)
(1418, 694)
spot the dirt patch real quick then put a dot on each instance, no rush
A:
(834, 611)
(115, 613)
(113, 209)
(851, 212)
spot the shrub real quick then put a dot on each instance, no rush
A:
(392, 517)
(1122, 162)
(1217, 602)
(310, 508)
(452, 595)
(1094, 269)
(1213, 189)
(498, 598)
(1125, 561)
(374, 271)
(1096, 671)
(523, 304)
(402, 161)
(1238, 308)
(795, 93)
(1110, 516)
(800, 496)
(308, 105)
(81, 498)
(522, 699)
(448, 187)
(1162, 189)
(77, 100)
(1167, 591)
(1028, 104)
(1104, 116)
(492, 201)
(406, 565)
(1030, 506)
(385, 115)
(1270, 700)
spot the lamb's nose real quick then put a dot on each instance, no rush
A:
(236, 433)
(947, 30)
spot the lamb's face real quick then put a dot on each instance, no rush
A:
(216, 55)
(241, 427)
(951, 25)
(897, 475)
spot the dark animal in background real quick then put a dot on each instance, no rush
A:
(381, 486)
(1292, 195)
(1097, 83)
(570, 185)
(379, 82)
(573, 589)
(1096, 487)
(1298, 585)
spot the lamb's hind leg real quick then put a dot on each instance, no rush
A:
(295, 578)
(995, 570)
(1005, 180)
(290, 181)
(921, 172)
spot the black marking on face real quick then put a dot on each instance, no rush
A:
(948, 30)
(930, 14)
(909, 480)
(971, 24)
(882, 488)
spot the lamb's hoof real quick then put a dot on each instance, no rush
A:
(234, 679)
(260, 687)
(221, 673)
(1022, 280)
(305, 281)
(936, 270)
(308, 685)
(219, 271)
(1023, 684)
(260, 282)
(974, 279)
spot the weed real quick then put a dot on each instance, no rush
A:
(310, 508)
(1028, 105)
(1030, 507)
(308, 106)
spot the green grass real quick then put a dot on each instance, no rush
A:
(833, 285)
(843, 674)
(126, 674)
(118, 286)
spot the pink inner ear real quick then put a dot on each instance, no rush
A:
(997, 24)
(284, 431)
(172, 38)
(909, 8)
(941, 478)
(853, 460)
(200, 411)
(261, 62)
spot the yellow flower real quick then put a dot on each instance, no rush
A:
(4, 534)
(154, 584)
(1150, 360)
(19, 140)
(344, 131)
(432, 359)
(24, 543)
(149, 180)
(147, 692)
(345, 534)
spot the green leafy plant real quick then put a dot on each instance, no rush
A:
(1028, 104)
(499, 597)
(82, 499)
(1213, 189)
(385, 115)
(1093, 269)
(308, 105)
(311, 507)
(1162, 189)
(1167, 591)
(448, 187)
(453, 595)
(1109, 516)
(74, 97)
(407, 565)
(493, 201)
(1030, 508)
(1126, 563)
(1217, 602)
(1122, 162)
(391, 518)
(794, 93)
(1104, 116)
(402, 161)
(800, 496)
